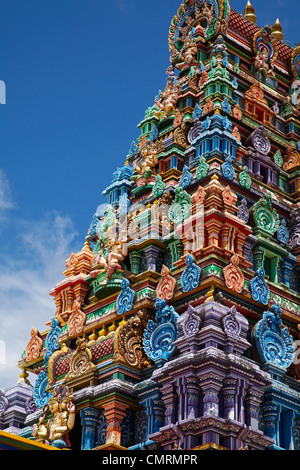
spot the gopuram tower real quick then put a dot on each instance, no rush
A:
(176, 325)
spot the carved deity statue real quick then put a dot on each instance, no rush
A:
(262, 64)
(190, 50)
(61, 421)
(146, 164)
(167, 100)
(116, 251)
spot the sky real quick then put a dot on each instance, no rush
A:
(78, 75)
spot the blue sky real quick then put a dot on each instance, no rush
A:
(79, 76)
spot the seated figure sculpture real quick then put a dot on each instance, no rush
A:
(115, 254)
(61, 421)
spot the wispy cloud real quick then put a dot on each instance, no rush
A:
(26, 277)
(124, 6)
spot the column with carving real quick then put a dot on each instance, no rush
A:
(253, 401)
(211, 385)
(229, 397)
(158, 414)
(271, 417)
(135, 259)
(152, 253)
(114, 412)
(89, 421)
(170, 400)
(193, 390)
(177, 249)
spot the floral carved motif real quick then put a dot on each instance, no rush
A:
(199, 196)
(52, 344)
(34, 346)
(234, 278)
(243, 211)
(81, 361)
(128, 341)
(40, 393)
(274, 343)
(72, 262)
(237, 113)
(231, 325)
(245, 178)
(76, 320)
(189, 323)
(166, 286)
(158, 187)
(259, 289)
(186, 177)
(291, 160)
(202, 169)
(159, 336)
(125, 298)
(265, 217)
(229, 197)
(191, 275)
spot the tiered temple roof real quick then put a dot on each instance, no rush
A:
(176, 325)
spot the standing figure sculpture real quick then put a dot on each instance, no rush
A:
(262, 65)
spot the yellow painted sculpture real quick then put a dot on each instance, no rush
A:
(61, 421)
(145, 166)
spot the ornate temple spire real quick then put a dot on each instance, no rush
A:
(277, 30)
(249, 13)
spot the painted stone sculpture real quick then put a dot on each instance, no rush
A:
(274, 343)
(259, 290)
(191, 275)
(125, 298)
(117, 250)
(159, 336)
(61, 421)
(264, 44)
(145, 164)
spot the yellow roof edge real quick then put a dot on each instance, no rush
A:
(20, 442)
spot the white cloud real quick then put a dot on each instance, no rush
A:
(27, 275)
